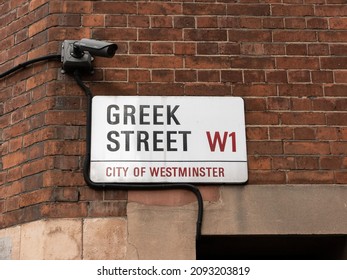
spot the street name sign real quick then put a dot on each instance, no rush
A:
(168, 139)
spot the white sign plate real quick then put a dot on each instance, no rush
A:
(168, 139)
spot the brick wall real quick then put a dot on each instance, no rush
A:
(286, 58)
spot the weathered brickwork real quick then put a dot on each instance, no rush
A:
(286, 58)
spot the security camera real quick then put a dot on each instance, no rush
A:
(78, 54)
(95, 47)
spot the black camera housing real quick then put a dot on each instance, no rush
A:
(78, 54)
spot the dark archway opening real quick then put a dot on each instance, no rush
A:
(272, 247)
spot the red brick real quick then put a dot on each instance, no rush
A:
(337, 118)
(330, 10)
(66, 194)
(185, 76)
(283, 163)
(332, 36)
(248, 10)
(160, 62)
(37, 166)
(257, 133)
(307, 163)
(34, 4)
(116, 75)
(323, 77)
(119, 20)
(65, 117)
(184, 22)
(262, 118)
(278, 103)
(38, 136)
(274, 49)
(255, 90)
(331, 162)
(161, 22)
(327, 133)
(341, 104)
(266, 177)
(159, 8)
(259, 163)
(162, 76)
(311, 177)
(137, 21)
(255, 76)
(276, 76)
(335, 90)
(36, 151)
(13, 159)
(299, 76)
(207, 62)
(159, 35)
(292, 10)
(249, 36)
(297, 63)
(124, 61)
(107, 209)
(338, 148)
(252, 49)
(64, 147)
(14, 174)
(264, 147)
(301, 118)
(301, 104)
(204, 9)
(12, 203)
(306, 148)
(93, 20)
(15, 144)
(318, 49)
(338, 49)
(162, 48)
(114, 7)
(64, 210)
(115, 33)
(251, 22)
(185, 48)
(229, 48)
(299, 90)
(111, 194)
(296, 49)
(341, 177)
(281, 133)
(207, 48)
(295, 23)
(294, 36)
(342, 133)
(66, 162)
(208, 76)
(253, 62)
(231, 76)
(160, 88)
(53, 178)
(304, 133)
(254, 104)
(35, 197)
(139, 75)
(317, 23)
(207, 89)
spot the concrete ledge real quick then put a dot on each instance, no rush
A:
(278, 209)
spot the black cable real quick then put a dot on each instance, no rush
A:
(122, 186)
(29, 62)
